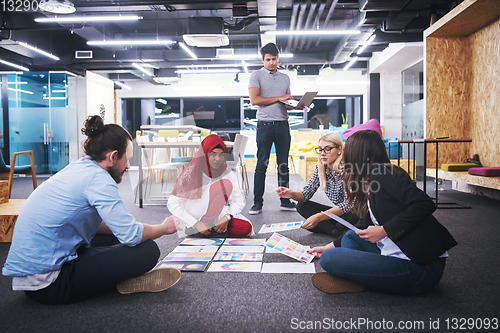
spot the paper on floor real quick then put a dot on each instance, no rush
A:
(287, 267)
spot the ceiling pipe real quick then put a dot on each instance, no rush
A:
(303, 7)
(293, 20)
(267, 12)
(328, 17)
(312, 10)
(316, 21)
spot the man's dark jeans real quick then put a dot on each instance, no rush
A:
(277, 132)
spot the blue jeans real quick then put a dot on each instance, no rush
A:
(267, 134)
(360, 261)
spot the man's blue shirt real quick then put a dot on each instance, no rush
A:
(64, 213)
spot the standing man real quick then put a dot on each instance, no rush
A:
(267, 89)
(74, 237)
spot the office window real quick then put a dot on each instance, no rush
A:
(296, 118)
(167, 110)
(214, 114)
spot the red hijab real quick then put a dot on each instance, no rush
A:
(189, 182)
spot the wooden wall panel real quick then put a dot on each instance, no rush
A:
(448, 113)
(485, 94)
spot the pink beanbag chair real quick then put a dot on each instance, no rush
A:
(485, 171)
(371, 124)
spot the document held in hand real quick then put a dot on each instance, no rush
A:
(341, 221)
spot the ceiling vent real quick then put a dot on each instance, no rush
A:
(83, 54)
(166, 80)
(206, 32)
(225, 53)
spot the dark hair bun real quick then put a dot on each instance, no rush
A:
(93, 126)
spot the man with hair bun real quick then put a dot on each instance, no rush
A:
(75, 238)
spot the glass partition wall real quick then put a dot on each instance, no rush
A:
(232, 114)
(40, 119)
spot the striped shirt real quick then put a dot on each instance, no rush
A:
(334, 188)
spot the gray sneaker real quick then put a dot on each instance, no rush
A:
(288, 206)
(153, 281)
(256, 209)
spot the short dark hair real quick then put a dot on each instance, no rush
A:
(102, 139)
(269, 48)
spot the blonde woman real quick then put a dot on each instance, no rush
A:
(328, 176)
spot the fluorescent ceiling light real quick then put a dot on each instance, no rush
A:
(161, 100)
(249, 56)
(188, 51)
(123, 85)
(14, 65)
(142, 69)
(202, 66)
(47, 54)
(57, 6)
(351, 63)
(207, 71)
(11, 72)
(20, 90)
(368, 42)
(77, 19)
(129, 42)
(312, 32)
(59, 91)
(244, 66)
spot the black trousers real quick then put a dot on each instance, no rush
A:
(330, 227)
(98, 269)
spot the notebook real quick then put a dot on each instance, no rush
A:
(306, 99)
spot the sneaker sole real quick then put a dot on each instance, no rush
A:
(333, 285)
(288, 209)
(254, 212)
(154, 281)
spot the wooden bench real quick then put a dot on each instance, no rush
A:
(464, 177)
(9, 212)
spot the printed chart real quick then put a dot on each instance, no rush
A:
(289, 248)
(196, 248)
(221, 266)
(188, 256)
(232, 256)
(186, 266)
(276, 227)
(202, 241)
(242, 248)
(245, 241)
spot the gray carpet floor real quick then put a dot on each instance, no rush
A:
(255, 302)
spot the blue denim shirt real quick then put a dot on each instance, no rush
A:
(63, 214)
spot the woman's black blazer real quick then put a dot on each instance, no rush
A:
(406, 214)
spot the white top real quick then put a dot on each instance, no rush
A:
(388, 247)
(190, 211)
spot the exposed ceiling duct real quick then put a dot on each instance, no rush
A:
(243, 23)
(267, 11)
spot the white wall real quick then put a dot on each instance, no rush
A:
(391, 106)
(390, 63)
(100, 91)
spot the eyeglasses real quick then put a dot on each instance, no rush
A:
(327, 149)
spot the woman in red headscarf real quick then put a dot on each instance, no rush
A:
(206, 197)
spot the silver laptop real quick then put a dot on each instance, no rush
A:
(306, 99)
